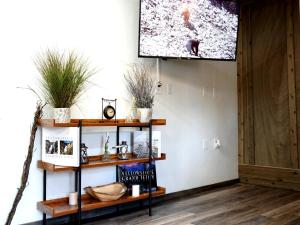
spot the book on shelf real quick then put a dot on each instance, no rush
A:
(141, 144)
(138, 173)
(60, 146)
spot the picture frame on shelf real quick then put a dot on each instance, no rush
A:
(141, 144)
(60, 146)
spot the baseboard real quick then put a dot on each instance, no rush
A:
(123, 209)
(190, 192)
(286, 178)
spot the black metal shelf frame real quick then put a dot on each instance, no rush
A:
(78, 174)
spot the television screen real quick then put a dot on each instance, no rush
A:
(199, 29)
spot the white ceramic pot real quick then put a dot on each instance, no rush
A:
(144, 114)
(62, 115)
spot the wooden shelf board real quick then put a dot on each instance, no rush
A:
(96, 161)
(99, 122)
(61, 207)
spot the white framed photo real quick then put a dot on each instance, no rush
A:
(60, 146)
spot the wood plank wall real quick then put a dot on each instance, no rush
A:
(269, 93)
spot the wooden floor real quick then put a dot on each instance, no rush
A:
(236, 204)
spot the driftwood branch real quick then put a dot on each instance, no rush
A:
(27, 162)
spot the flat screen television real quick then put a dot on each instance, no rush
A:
(190, 29)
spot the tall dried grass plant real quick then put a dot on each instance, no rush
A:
(140, 85)
(64, 77)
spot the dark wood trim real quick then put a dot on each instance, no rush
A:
(292, 86)
(296, 19)
(240, 93)
(246, 88)
(250, 94)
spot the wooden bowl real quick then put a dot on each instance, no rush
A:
(109, 192)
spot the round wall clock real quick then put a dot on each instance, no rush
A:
(109, 112)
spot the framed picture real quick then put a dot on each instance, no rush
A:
(60, 146)
(141, 144)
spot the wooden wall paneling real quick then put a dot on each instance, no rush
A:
(270, 176)
(240, 93)
(247, 87)
(291, 85)
(271, 47)
(296, 20)
(270, 84)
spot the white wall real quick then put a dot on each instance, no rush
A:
(107, 33)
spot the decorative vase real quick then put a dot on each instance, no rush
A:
(144, 114)
(62, 115)
(105, 156)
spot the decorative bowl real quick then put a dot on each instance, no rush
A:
(107, 192)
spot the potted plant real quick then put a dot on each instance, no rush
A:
(141, 87)
(63, 79)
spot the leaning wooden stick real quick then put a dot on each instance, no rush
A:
(26, 166)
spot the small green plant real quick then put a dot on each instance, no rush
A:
(140, 85)
(64, 77)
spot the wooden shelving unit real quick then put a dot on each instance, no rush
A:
(100, 123)
(60, 207)
(96, 161)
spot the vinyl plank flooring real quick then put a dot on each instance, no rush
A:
(239, 204)
(167, 219)
(257, 220)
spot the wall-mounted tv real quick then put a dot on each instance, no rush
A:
(192, 29)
